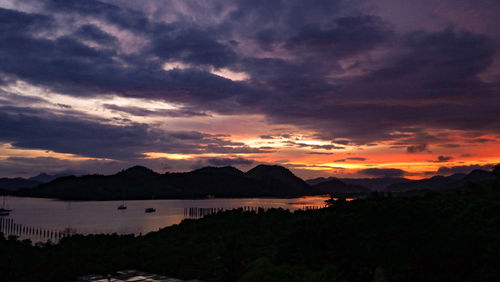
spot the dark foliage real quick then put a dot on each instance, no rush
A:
(453, 236)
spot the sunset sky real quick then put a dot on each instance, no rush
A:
(324, 88)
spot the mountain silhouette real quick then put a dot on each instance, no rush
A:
(441, 183)
(373, 184)
(13, 184)
(44, 177)
(279, 179)
(335, 185)
(137, 172)
(142, 183)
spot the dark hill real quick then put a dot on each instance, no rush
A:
(280, 180)
(318, 180)
(142, 183)
(215, 181)
(137, 172)
(12, 184)
(441, 183)
(373, 184)
(477, 175)
(229, 170)
(335, 185)
(44, 177)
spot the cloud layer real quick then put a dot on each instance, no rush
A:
(339, 69)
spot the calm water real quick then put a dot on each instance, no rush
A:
(96, 217)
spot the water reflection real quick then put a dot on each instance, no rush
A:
(95, 217)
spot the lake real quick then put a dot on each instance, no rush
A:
(96, 217)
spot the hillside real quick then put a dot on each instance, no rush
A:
(436, 183)
(334, 186)
(441, 183)
(280, 180)
(142, 183)
(12, 184)
(373, 184)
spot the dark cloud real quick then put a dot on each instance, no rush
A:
(480, 140)
(348, 36)
(22, 23)
(266, 137)
(124, 18)
(80, 135)
(311, 88)
(383, 172)
(229, 161)
(64, 106)
(416, 148)
(450, 145)
(357, 159)
(341, 142)
(12, 99)
(432, 63)
(442, 159)
(68, 65)
(351, 159)
(93, 33)
(192, 45)
(138, 111)
(329, 67)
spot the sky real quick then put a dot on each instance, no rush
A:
(325, 88)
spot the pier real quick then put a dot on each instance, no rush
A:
(196, 212)
(36, 234)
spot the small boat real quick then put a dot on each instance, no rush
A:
(122, 206)
(148, 210)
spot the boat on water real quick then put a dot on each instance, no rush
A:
(148, 210)
(122, 206)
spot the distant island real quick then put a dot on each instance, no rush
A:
(141, 183)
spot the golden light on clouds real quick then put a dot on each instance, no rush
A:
(222, 72)
(291, 146)
(8, 151)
